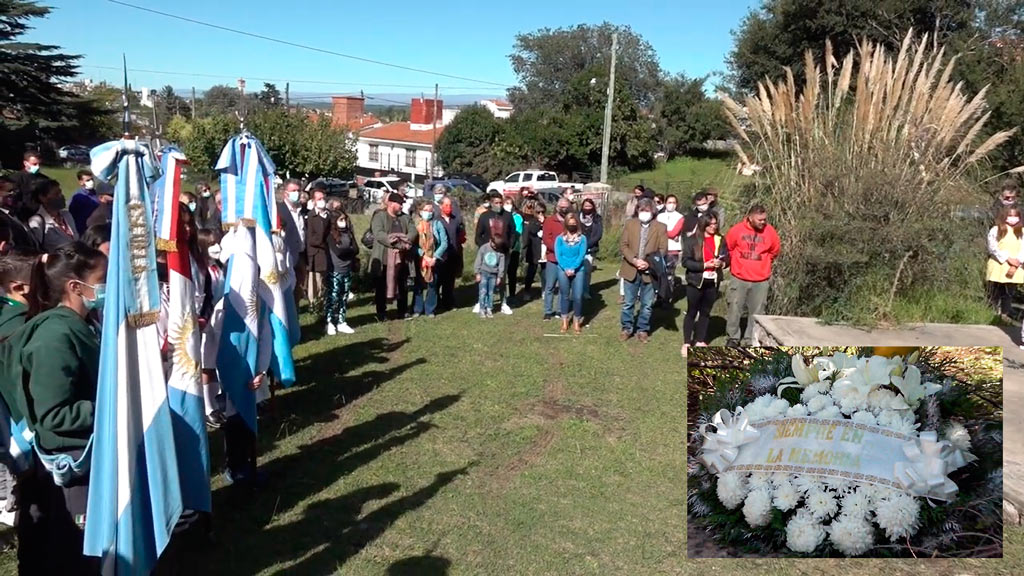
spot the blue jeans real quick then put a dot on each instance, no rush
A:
(420, 304)
(644, 291)
(578, 284)
(550, 280)
(486, 287)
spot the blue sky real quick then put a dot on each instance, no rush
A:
(459, 37)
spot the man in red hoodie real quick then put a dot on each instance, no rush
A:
(753, 245)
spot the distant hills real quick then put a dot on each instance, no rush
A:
(323, 99)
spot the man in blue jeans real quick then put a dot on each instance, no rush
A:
(641, 237)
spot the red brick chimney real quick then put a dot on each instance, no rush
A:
(345, 109)
(425, 110)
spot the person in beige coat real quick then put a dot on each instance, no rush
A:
(641, 237)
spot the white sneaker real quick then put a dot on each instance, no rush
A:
(331, 330)
(505, 309)
(7, 517)
(476, 308)
(350, 297)
(344, 328)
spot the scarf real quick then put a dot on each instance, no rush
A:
(394, 260)
(426, 235)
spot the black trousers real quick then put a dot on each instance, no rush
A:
(698, 311)
(380, 292)
(447, 272)
(512, 273)
(531, 273)
(1001, 294)
(51, 524)
(239, 448)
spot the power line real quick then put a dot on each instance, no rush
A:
(234, 76)
(303, 46)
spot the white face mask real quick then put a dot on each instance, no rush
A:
(90, 184)
(702, 207)
(342, 223)
(508, 207)
(1012, 220)
(320, 204)
(214, 251)
(293, 196)
(670, 208)
(645, 217)
(33, 168)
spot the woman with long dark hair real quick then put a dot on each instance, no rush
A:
(49, 371)
(344, 251)
(1005, 256)
(705, 256)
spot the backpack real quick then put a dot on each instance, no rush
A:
(368, 237)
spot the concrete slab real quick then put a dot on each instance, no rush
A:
(793, 331)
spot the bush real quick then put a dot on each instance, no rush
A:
(861, 183)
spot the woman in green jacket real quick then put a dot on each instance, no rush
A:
(50, 369)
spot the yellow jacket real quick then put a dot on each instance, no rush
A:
(1000, 250)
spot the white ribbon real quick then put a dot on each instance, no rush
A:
(722, 446)
(925, 474)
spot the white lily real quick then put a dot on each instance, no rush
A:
(803, 374)
(912, 389)
(867, 377)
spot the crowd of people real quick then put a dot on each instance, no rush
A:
(53, 262)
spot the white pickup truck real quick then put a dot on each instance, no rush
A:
(516, 181)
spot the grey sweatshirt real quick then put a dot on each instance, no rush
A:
(489, 260)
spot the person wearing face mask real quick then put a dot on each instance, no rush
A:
(753, 245)
(673, 222)
(48, 372)
(659, 204)
(317, 260)
(394, 237)
(496, 223)
(570, 254)
(19, 233)
(1005, 257)
(344, 261)
(700, 207)
(213, 399)
(450, 264)
(714, 207)
(85, 200)
(642, 237)
(551, 229)
(511, 206)
(432, 246)
(208, 216)
(52, 225)
(25, 182)
(593, 229)
(533, 223)
(293, 223)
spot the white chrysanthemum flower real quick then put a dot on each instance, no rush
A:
(852, 403)
(898, 514)
(757, 508)
(779, 478)
(840, 485)
(819, 403)
(905, 424)
(797, 410)
(880, 400)
(759, 481)
(778, 408)
(759, 409)
(865, 417)
(812, 391)
(889, 419)
(829, 412)
(958, 436)
(857, 503)
(786, 497)
(805, 483)
(852, 535)
(821, 504)
(732, 488)
(804, 533)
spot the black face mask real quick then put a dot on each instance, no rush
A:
(56, 203)
(572, 228)
(563, 211)
(588, 211)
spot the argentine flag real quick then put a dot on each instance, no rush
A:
(184, 385)
(255, 311)
(134, 489)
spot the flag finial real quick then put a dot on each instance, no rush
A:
(126, 121)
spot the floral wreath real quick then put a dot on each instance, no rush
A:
(939, 490)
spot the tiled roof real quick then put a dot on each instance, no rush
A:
(501, 104)
(362, 123)
(402, 132)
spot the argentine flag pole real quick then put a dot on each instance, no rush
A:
(255, 312)
(134, 489)
(184, 385)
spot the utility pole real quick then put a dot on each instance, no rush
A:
(433, 142)
(608, 112)
(193, 102)
(156, 127)
(286, 99)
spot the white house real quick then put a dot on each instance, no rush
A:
(500, 108)
(403, 147)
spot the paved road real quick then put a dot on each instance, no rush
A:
(792, 331)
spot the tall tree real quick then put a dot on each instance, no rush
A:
(686, 117)
(468, 140)
(220, 99)
(778, 32)
(547, 60)
(270, 96)
(170, 104)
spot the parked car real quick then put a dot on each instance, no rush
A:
(374, 189)
(549, 196)
(335, 186)
(468, 187)
(71, 155)
(474, 179)
(528, 178)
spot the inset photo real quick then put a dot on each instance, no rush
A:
(845, 452)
